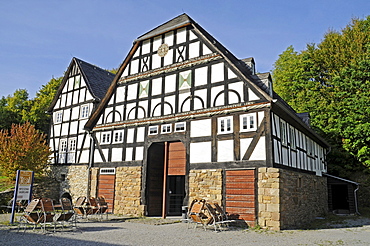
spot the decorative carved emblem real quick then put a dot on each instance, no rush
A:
(163, 50)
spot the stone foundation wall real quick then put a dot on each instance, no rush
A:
(206, 184)
(128, 191)
(75, 180)
(289, 199)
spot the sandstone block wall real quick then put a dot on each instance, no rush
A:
(128, 191)
(206, 184)
(289, 199)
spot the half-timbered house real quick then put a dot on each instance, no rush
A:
(184, 118)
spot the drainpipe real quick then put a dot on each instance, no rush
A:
(355, 193)
(91, 160)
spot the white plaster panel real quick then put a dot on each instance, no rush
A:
(157, 86)
(214, 92)
(238, 87)
(88, 96)
(130, 135)
(206, 50)
(70, 84)
(192, 35)
(128, 109)
(225, 150)
(200, 76)
(157, 42)
(261, 115)
(140, 135)
(125, 72)
(116, 154)
(73, 127)
(97, 157)
(75, 97)
(168, 58)
(230, 74)
(65, 129)
(217, 74)
(200, 152)
(203, 95)
(156, 61)
(84, 157)
(170, 83)
(145, 48)
(111, 100)
(120, 94)
(171, 100)
(82, 95)
(137, 53)
(139, 155)
(200, 128)
(186, 105)
(168, 38)
(142, 114)
(134, 66)
(69, 98)
(75, 113)
(181, 35)
(157, 111)
(252, 95)
(167, 109)
(82, 125)
(244, 144)
(63, 100)
(194, 50)
(259, 152)
(120, 110)
(129, 154)
(100, 120)
(80, 139)
(132, 91)
(57, 130)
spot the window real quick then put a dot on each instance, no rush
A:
(71, 150)
(248, 122)
(180, 127)
(225, 125)
(153, 130)
(118, 137)
(107, 171)
(105, 138)
(84, 111)
(59, 117)
(292, 137)
(283, 134)
(166, 128)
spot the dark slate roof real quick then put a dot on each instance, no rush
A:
(98, 79)
(176, 22)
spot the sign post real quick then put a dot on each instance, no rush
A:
(23, 189)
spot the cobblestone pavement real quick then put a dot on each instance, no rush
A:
(124, 231)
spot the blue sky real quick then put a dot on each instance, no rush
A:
(39, 38)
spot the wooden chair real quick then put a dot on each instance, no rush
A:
(31, 215)
(47, 213)
(92, 207)
(67, 214)
(197, 215)
(80, 206)
(103, 206)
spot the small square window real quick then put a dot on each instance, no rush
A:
(180, 127)
(166, 128)
(105, 138)
(59, 117)
(153, 130)
(84, 111)
(225, 125)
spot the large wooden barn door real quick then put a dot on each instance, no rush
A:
(241, 195)
(106, 181)
(165, 187)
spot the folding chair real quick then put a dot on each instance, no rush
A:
(31, 215)
(47, 213)
(197, 215)
(67, 214)
(92, 207)
(103, 206)
(80, 206)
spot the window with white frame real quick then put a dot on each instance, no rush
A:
(180, 127)
(248, 122)
(59, 117)
(225, 125)
(105, 138)
(283, 133)
(71, 150)
(166, 128)
(292, 138)
(62, 150)
(84, 111)
(118, 137)
(153, 130)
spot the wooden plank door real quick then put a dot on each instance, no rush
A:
(106, 184)
(241, 195)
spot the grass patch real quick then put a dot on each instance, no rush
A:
(5, 183)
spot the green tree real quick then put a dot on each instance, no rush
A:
(331, 81)
(36, 114)
(23, 148)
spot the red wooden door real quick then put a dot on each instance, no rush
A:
(241, 195)
(176, 159)
(106, 189)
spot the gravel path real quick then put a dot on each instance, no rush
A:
(123, 232)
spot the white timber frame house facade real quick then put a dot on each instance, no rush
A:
(183, 118)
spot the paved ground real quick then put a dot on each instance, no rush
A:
(123, 231)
